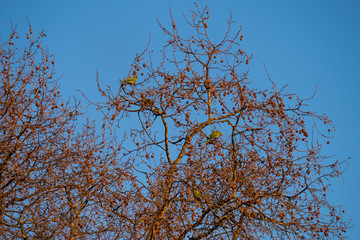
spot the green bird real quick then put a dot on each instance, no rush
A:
(196, 193)
(130, 80)
(149, 102)
(213, 135)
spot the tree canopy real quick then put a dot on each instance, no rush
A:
(187, 149)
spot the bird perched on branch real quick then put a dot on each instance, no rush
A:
(213, 135)
(148, 102)
(130, 80)
(196, 193)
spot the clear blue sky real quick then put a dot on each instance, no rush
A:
(303, 43)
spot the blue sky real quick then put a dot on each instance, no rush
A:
(303, 43)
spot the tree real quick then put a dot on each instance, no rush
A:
(187, 149)
(50, 166)
(264, 177)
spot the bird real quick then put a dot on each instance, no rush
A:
(213, 135)
(130, 80)
(148, 102)
(196, 193)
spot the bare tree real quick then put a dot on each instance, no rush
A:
(50, 168)
(212, 157)
(187, 149)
